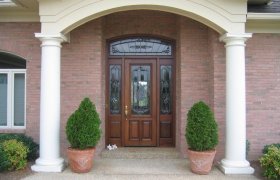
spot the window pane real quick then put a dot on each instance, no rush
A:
(140, 90)
(115, 89)
(3, 99)
(19, 100)
(165, 89)
(140, 46)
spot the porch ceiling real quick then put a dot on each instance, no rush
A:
(19, 11)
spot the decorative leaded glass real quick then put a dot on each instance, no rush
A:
(115, 89)
(165, 89)
(140, 46)
(140, 89)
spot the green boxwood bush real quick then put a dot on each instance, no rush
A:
(83, 126)
(27, 141)
(16, 153)
(4, 161)
(201, 129)
(270, 161)
(265, 149)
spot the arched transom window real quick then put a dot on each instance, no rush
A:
(140, 46)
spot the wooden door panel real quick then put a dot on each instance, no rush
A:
(165, 129)
(140, 101)
(115, 129)
(147, 129)
(134, 127)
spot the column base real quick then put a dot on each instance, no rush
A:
(42, 165)
(235, 167)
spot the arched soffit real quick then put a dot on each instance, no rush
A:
(11, 61)
(64, 16)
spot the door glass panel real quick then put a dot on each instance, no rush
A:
(115, 89)
(19, 99)
(140, 89)
(165, 89)
(3, 99)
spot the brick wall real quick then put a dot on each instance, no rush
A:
(218, 85)
(263, 91)
(195, 71)
(82, 75)
(140, 22)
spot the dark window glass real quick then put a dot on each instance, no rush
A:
(11, 61)
(19, 99)
(115, 89)
(140, 89)
(140, 47)
(3, 99)
(165, 89)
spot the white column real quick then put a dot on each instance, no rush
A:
(235, 151)
(50, 160)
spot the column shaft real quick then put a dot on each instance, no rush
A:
(50, 160)
(235, 156)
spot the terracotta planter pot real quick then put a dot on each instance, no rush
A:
(80, 161)
(201, 161)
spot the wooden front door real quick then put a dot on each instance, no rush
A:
(140, 102)
(140, 93)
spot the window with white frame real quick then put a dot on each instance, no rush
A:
(12, 91)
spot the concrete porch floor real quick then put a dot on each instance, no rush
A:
(140, 163)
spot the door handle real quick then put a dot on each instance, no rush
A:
(125, 112)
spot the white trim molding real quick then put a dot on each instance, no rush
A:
(263, 16)
(60, 37)
(19, 17)
(263, 23)
(64, 16)
(7, 3)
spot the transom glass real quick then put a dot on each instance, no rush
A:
(140, 46)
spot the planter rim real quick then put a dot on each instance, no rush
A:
(74, 149)
(212, 150)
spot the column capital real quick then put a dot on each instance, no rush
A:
(235, 39)
(51, 39)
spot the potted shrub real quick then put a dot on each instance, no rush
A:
(202, 137)
(83, 133)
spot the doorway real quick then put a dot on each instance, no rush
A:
(140, 92)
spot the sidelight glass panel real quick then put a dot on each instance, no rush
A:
(140, 89)
(19, 99)
(3, 99)
(165, 89)
(115, 89)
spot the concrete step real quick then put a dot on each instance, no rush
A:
(141, 153)
(138, 169)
